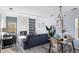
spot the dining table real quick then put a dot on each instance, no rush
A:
(61, 42)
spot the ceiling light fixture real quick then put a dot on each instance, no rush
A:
(51, 15)
(10, 8)
(60, 19)
(74, 9)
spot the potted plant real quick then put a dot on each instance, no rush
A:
(51, 31)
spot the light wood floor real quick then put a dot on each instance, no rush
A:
(38, 49)
(8, 50)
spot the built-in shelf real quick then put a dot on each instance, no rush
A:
(32, 26)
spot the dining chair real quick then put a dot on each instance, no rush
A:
(53, 45)
(69, 43)
(76, 45)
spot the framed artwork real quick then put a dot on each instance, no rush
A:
(42, 24)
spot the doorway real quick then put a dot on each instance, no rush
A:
(9, 37)
(77, 27)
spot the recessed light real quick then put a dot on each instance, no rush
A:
(73, 9)
(51, 15)
(10, 8)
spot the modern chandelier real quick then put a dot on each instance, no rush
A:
(60, 19)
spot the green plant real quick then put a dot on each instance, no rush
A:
(51, 31)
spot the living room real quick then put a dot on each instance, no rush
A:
(25, 23)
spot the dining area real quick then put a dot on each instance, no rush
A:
(61, 38)
(67, 44)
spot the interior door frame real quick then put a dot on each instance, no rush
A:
(76, 27)
(10, 15)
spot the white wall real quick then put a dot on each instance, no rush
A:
(0, 23)
(23, 24)
(69, 21)
(42, 23)
(0, 27)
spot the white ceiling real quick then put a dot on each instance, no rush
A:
(38, 10)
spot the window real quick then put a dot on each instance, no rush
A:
(11, 27)
(77, 27)
(11, 23)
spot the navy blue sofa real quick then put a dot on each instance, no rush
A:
(35, 40)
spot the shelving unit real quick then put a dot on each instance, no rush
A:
(32, 26)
